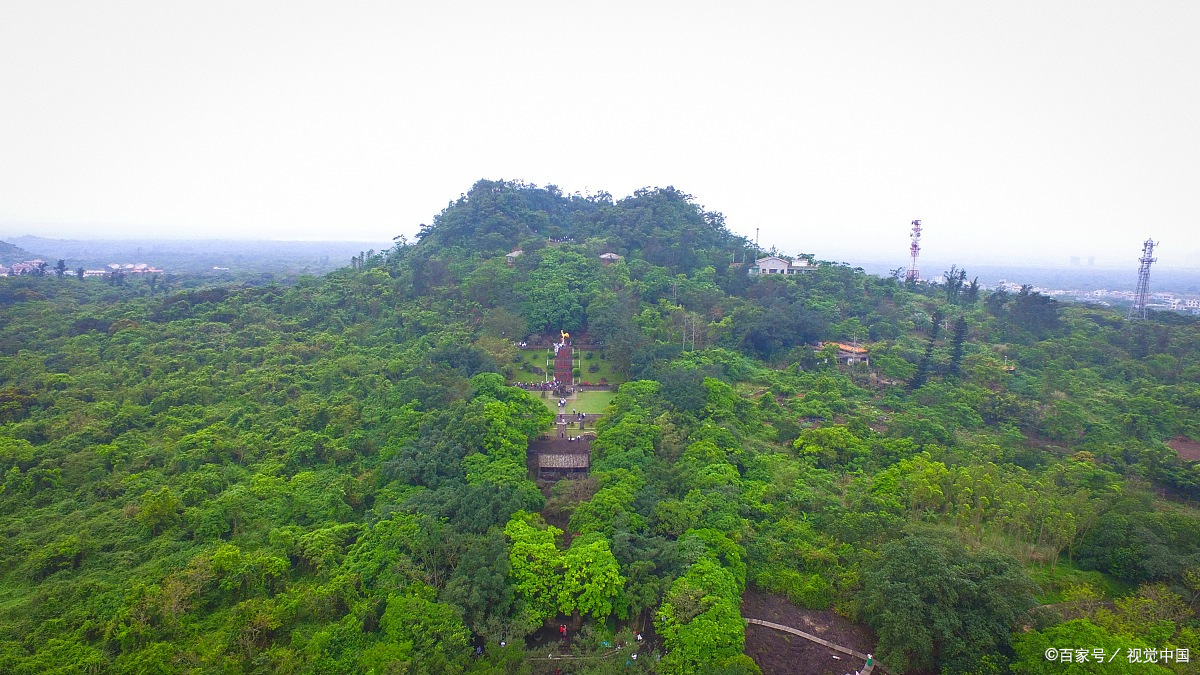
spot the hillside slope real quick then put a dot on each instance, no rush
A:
(10, 253)
(332, 476)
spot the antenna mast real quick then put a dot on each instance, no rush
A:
(914, 273)
(1138, 310)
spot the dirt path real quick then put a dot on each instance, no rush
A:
(780, 653)
(1188, 449)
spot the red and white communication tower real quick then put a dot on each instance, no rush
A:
(914, 273)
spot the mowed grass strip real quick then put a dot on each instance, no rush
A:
(589, 402)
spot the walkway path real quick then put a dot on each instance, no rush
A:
(808, 636)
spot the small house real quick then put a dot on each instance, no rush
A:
(610, 258)
(847, 354)
(511, 258)
(776, 265)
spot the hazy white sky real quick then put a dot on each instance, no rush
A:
(1045, 129)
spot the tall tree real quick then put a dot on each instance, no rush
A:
(971, 295)
(954, 283)
(936, 605)
(956, 348)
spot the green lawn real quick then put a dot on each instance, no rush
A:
(590, 402)
(604, 369)
(523, 370)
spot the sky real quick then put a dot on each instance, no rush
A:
(1016, 131)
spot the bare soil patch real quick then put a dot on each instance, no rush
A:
(779, 653)
(554, 444)
(1187, 449)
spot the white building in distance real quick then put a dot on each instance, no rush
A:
(776, 265)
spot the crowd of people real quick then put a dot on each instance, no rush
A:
(578, 417)
(537, 386)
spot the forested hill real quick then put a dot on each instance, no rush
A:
(331, 476)
(661, 225)
(10, 254)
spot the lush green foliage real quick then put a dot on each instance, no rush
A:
(932, 603)
(331, 476)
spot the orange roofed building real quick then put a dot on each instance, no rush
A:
(848, 354)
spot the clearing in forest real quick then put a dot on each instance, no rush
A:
(587, 402)
(533, 366)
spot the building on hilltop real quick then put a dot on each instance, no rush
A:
(847, 354)
(776, 265)
(511, 258)
(610, 258)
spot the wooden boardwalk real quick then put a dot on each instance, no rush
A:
(820, 641)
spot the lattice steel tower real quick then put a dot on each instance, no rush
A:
(914, 274)
(1138, 310)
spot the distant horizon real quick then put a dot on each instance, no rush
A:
(929, 264)
(1022, 130)
(6, 236)
(1175, 258)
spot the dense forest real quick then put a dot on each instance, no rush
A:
(330, 476)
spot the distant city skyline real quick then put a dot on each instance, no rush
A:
(1019, 131)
